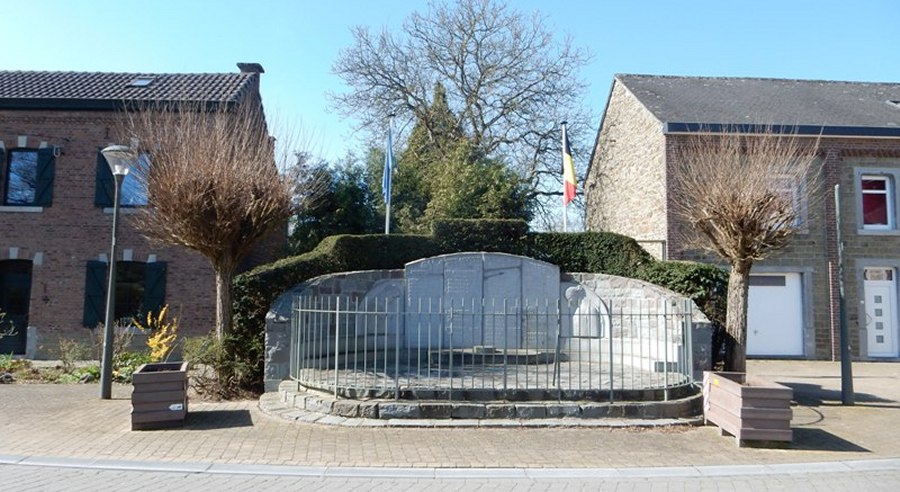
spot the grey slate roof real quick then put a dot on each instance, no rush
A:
(96, 90)
(862, 108)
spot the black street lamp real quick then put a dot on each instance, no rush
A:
(119, 158)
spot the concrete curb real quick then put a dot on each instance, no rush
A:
(835, 467)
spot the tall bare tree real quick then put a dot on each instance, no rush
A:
(508, 81)
(212, 183)
(744, 196)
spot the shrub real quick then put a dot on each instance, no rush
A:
(704, 284)
(125, 363)
(590, 252)
(70, 352)
(497, 235)
(218, 369)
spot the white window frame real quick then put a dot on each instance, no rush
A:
(889, 194)
(797, 192)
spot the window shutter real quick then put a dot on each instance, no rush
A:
(154, 286)
(104, 184)
(3, 171)
(94, 293)
(46, 168)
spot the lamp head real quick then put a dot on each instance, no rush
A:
(120, 158)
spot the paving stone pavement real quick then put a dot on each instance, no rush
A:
(55, 422)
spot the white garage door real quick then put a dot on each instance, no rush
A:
(775, 315)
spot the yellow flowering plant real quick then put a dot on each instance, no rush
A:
(162, 333)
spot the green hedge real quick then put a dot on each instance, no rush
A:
(706, 285)
(589, 252)
(495, 235)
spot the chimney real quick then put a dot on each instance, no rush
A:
(251, 68)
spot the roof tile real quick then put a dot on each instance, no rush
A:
(709, 100)
(102, 86)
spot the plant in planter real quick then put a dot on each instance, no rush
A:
(159, 398)
(748, 408)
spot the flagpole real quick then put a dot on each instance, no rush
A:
(386, 179)
(565, 204)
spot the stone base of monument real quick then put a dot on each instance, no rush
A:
(683, 406)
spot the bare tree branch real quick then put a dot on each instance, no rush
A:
(744, 197)
(509, 81)
(212, 184)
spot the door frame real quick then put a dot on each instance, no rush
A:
(806, 295)
(894, 326)
(21, 347)
(863, 335)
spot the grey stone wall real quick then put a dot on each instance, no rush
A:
(353, 285)
(625, 188)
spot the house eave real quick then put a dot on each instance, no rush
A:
(94, 104)
(812, 131)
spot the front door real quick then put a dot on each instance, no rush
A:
(15, 296)
(881, 311)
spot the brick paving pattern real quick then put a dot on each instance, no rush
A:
(72, 422)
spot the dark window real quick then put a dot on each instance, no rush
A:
(140, 287)
(15, 297)
(27, 177)
(130, 277)
(134, 189)
(767, 280)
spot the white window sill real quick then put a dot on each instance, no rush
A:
(21, 209)
(878, 232)
(122, 210)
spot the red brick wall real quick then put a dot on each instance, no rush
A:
(73, 230)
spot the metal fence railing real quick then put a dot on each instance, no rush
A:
(489, 349)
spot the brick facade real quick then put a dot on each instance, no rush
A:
(624, 182)
(76, 117)
(60, 238)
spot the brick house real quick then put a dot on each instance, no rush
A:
(56, 215)
(794, 296)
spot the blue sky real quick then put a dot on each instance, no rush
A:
(298, 40)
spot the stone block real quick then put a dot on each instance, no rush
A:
(345, 408)
(392, 410)
(594, 410)
(368, 410)
(557, 410)
(434, 410)
(319, 405)
(467, 411)
(499, 411)
(531, 410)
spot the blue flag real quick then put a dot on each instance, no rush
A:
(388, 167)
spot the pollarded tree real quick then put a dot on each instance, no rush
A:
(212, 184)
(744, 195)
(508, 81)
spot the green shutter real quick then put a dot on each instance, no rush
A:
(94, 293)
(3, 171)
(104, 183)
(46, 168)
(154, 286)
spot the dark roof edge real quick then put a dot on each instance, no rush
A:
(802, 130)
(95, 104)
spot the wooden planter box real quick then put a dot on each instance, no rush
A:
(748, 408)
(159, 398)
